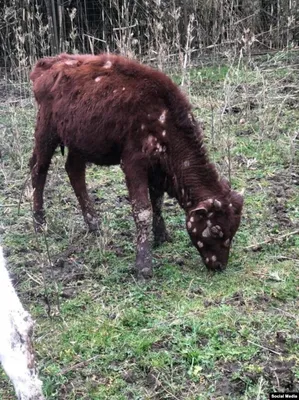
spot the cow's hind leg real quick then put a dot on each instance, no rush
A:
(159, 229)
(75, 168)
(39, 165)
(137, 183)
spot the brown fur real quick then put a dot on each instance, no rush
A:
(108, 110)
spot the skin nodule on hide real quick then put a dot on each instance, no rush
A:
(110, 110)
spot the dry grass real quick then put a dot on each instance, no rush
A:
(157, 31)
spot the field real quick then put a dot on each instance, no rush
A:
(187, 333)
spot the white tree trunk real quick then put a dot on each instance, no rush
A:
(16, 352)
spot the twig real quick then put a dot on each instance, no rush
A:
(94, 38)
(169, 393)
(265, 348)
(244, 19)
(272, 239)
(78, 365)
(36, 280)
(286, 313)
(51, 269)
(76, 242)
(277, 379)
(121, 28)
(260, 388)
(280, 258)
(22, 192)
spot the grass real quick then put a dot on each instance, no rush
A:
(186, 334)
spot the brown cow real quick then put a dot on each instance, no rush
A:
(111, 110)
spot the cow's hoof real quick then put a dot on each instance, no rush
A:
(144, 273)
(93, 228)
(92, 223)
(162, 238)
(39, 221)
(39, 228)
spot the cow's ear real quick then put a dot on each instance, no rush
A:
(237, 200)
(203, 207)
(226, 183)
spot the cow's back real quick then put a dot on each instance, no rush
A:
(100, 104)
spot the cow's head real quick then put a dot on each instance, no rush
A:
(212, 225)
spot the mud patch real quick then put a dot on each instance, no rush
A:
(129, 376)
(237, 299)
(282, 189)
(152, 381)
(230, 381)
(162, 344)
(281, 342)
(116, 247)
(281, 214)
(280, 375)
(202, 340)
(66, 271)
(211, 303)
(262, 302)
(186, 329)
(68, 274)
(245, 132)
(235, 377)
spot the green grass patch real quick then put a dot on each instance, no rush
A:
(186, 334)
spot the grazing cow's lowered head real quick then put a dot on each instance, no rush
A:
(212, 225)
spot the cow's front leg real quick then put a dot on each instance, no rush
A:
(143, 220)
(137, 182)
(45, 145)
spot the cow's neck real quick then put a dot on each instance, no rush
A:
(190, 173)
